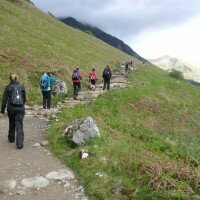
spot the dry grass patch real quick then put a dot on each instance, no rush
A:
(148, 104)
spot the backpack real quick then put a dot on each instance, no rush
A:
(16, 96)
(92, 76)
(106, 73)
(75, 75)
(44, 84)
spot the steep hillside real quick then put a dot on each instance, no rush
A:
(168, 63)
(149, 144)
(111, 40)
(32, 42)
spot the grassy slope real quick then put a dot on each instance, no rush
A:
(149, 140)
(31, 42)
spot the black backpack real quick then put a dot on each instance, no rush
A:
(106, 73)
(16, 95)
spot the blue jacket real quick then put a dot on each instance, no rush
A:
(50, 80)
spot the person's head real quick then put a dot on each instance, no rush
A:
(107, 67)
(77, 68)
(93, 69)
(14, 77)
(49, 73)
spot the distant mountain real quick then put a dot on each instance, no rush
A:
(109, 39)
(190, 72)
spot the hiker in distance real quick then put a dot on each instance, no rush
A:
(76, 79)
(14, 98)
(93, 79)
(127, 67)
(45, 85)
(107, 74)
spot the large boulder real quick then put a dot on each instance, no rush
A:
(60, 87)
(79, 131)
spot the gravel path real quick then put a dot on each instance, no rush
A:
(35, 160)
(32, 161)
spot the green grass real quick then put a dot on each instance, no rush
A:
(149, 140)
(32, 42)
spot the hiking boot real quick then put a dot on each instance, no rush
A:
(19, 146)
(11, 140)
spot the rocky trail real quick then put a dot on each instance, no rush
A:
(33, 172)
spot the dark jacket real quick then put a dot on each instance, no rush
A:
(107, 74)
(7, 96)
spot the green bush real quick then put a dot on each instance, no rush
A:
(176, 74)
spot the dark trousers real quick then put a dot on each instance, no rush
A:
(16, 124)
(46, 99)
(106, 82)
(77, 87)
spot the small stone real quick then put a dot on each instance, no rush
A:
(66, 185)
(100, 174)
(20, 192)
(36, 145)
(44, 143)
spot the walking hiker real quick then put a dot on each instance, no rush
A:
(126, 67)
(107, 74)
(76, 79)
(14, 98)
(93, 79)
(45, 85)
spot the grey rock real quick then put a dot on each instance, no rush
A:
(80, 131)
(21, 192)
(44, 143)
(100, 174)
(60, 175)
(67, 184)
(36, 182)
(37, 145)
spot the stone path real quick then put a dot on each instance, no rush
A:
(33, 173)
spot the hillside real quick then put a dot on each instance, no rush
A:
(32, 42)
(168, 63)
(149, 144)
(109, 39)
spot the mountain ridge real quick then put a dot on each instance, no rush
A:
(107, 38)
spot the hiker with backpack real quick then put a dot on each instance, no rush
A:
(76, 79)
(14, 98)
(45, 85)
(93, 79)
(107, 74)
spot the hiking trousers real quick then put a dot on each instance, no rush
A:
(46, 99)
(106, 84)
(77, 87)
(16, 118)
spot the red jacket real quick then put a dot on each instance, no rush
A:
(93, 75)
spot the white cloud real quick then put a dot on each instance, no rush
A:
(153, 27)
(182, 42)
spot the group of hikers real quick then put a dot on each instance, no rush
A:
(14, 98)
(48, 79)
(92, 77)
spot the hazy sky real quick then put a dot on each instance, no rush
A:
(151, 27)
